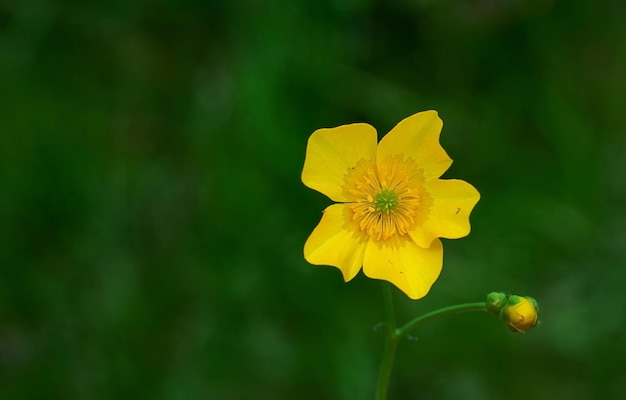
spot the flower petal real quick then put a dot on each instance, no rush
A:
(331, 243)
(411, 268)
(453, 201)
(331, 151)
(417, 137)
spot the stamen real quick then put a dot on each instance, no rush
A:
(386, 200)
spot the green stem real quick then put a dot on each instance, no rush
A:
(391, 344)
(394, 334)
(459, 308)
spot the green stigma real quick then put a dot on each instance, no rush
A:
(386, 201)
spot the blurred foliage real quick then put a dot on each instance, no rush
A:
(152, 217)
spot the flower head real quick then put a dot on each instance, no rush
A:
(392, 207)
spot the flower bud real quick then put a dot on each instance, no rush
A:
(495, 302)
(520, 313)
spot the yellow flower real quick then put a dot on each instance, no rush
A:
(521, 313)
(392, 208)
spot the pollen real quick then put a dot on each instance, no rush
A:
(386, 199)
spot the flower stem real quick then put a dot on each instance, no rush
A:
(459, 308)
(391, 344)
(394, 334)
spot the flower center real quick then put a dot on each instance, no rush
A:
(386, 201)
(387, 198)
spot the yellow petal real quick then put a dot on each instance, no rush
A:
(331, 151)
(411, 268)
(417, 137)
(331, 243)
(453, 201)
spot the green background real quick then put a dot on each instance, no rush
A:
(152, 216)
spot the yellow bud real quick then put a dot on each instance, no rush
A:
(521, 313)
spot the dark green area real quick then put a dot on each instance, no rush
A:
(152, 217)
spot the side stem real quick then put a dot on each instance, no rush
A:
(459, 308)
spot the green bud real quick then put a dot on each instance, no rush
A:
(495, 302)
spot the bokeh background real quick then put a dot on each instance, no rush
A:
(152, 217)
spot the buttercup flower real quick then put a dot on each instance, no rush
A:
(392, 207)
